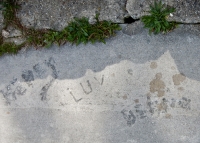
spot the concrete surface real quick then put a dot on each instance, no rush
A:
(133, 89)
(187, 11)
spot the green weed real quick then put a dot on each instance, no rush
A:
(157, 20)
(56, 37)
(35, 37)
(81, 31)
(9, 48)
(9, 8)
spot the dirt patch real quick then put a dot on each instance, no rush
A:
(178, 78)
(157, 85)
(153, 65)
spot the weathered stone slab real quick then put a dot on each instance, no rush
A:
(187, 11)
(11, 34)
(57, 14)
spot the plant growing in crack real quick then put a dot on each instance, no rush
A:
(81, 31)
(77, 31)
(157, 22)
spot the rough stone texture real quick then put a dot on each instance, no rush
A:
(133, 89)
(56, 14)
(134, 28)
(11, 34)
(1, 21)
(187, 11)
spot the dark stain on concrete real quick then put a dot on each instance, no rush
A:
(20, 90)
(129, 117)
(45, 90)
(153, 65)
(185, 103)
(39, 70)
(149, 104)
(50, 64)
(136, 100)
(130, 71)
(9, 94)
(27, 76)
(178, 78)
(13, 81)
(141, 113)
(157, 85)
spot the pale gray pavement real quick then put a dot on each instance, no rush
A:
(133, 89)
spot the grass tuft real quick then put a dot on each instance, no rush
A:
(157, 22)
(81, 31)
